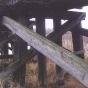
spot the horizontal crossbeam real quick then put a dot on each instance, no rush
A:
(6, 56)
(83, 31)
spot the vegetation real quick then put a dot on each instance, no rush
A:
(70, 82)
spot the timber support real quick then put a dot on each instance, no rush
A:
(15, 38)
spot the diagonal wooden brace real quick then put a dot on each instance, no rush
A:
(75, 66)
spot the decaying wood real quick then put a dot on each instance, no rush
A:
(74, 65)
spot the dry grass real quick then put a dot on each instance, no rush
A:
(31, 72)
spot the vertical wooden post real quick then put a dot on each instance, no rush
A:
(20, 48)
(23, 20)
(59, 71)
(15, 57)
(77, 41)
(5, 48)
(40, 29)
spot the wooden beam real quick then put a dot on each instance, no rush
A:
(13, 67)
(6, 56)
(40, 29)
(37, 8)
(17, 64)
(47, 12)
(20, 48)
(82, 31)
(9, 70)
(30, 54)
(77, 41)
(23, 49)
(74, 65)
(59, 71)
(67, 15)
(57, 3)
(4, 49)
(67, 26)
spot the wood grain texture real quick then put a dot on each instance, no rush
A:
(75, 66)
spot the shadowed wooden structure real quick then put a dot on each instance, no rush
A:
(16, 29)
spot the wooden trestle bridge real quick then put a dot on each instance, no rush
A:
(14, 29)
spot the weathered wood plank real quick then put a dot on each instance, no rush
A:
(67, 15)
(50, 36)
(16, 65)
(75, 66)
(13, 67)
